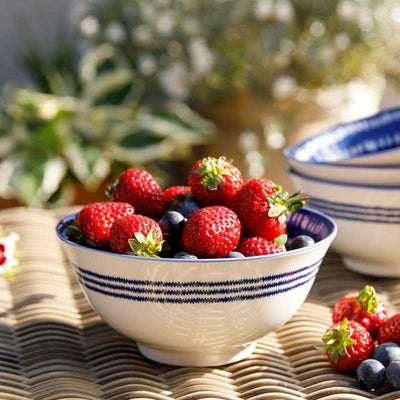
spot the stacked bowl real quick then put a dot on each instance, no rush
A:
(352, 173)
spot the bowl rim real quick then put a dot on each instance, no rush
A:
(291, 171)
(61, 225)
(289, 151)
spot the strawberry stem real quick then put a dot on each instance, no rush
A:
(212, 170)
(367, 299)
(337, 340)
(145, 246)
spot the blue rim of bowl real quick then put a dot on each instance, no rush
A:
(292, 171)
(62, 223)
(288, 151)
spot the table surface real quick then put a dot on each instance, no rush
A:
(54, 346)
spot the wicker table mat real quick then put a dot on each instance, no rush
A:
(54, 346)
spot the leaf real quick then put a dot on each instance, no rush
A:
(140, 138)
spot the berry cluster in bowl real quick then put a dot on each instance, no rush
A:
(365, 340)
(216, 216)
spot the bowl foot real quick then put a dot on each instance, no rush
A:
(197, 358)
(374, 269)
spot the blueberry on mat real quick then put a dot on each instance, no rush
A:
(371, 374)
(393, 374)
(386, 353)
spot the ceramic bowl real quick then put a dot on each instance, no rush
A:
(200, 312)
(382, 175)
(370, 141)
(368, 219)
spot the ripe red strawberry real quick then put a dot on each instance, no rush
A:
(175, 194)
(389, 331)
(211, 232)
(347, 344)
(214, 181)
(362, 307)
(263, 207)
(92, 224)
(137, 235)
(257, 246)
(139, 188)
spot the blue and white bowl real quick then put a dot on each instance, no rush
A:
(368, 219)
(200, 312)
(370, 141)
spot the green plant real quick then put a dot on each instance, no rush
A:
(49, 141)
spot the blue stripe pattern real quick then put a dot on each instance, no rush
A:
(353, 212)
(233, 290)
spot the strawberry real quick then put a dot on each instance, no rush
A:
(389, 331)
(257, 246)
(211, 232)
(175, 195)
(347, 344)
(136, 235)
(214, 181)
(263, 207)
(362, 307)
(92, 224)
(140, 189)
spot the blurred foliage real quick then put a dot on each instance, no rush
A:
(205, 50)
(124, 92)
(81, 132)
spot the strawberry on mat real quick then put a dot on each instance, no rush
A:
(363, 307)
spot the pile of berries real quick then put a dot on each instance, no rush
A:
(363, 339)
(216, 216)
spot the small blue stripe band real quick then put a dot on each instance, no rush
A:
(356, 207)
(200, 292)
(237, 282)
(195, 300)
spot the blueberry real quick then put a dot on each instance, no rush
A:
(235, 254)
(371, 374)
(184, 255)
(386, 353)
(393, 374)
(300, 241)
(172, 224)
(188, 207)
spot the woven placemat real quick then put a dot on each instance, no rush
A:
(54, 346)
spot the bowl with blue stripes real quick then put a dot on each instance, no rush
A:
(203, 312)
(372, 141)
(368, 220)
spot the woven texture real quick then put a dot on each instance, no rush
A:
(54, 346)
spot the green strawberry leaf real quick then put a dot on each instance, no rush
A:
(145, 246)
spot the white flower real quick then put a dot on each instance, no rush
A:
(317, 28)
(7, 252)
(142, 35)
(174, 80)
(348, 10)
(202, 58)
(165, 24)
(284, 10)
(148, 11)
(90, 26)
(284, 87)
(115, 32)
(263, 9)
(147, 64)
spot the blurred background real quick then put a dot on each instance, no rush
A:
(91, 87)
